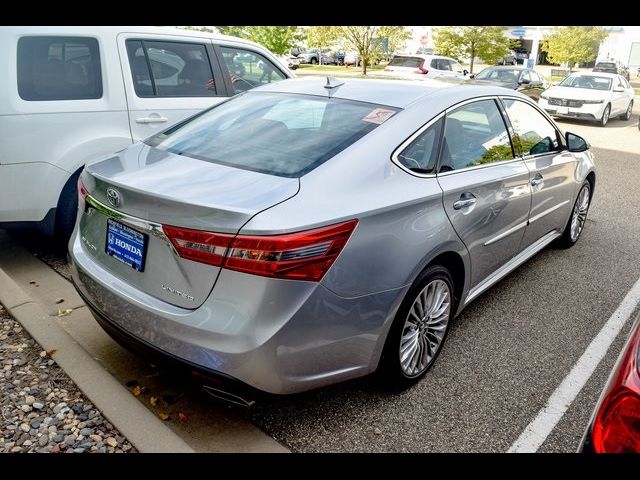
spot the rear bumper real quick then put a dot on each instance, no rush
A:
(29, 191)
(278, 336)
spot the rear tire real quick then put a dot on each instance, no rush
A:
(415, 340)
(572, 231)
(67, 209)
(605, 116)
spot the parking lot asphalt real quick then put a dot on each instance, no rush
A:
(507, 352)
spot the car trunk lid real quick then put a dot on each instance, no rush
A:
(134, 193)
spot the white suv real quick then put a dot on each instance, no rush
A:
(71, 95)
(421, 66)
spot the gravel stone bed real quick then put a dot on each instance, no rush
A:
(41, 409)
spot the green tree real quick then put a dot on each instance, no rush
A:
(277, 39)
(573, 45)
(368, 41)
(487, 43)
(321, 37)
(234, 31)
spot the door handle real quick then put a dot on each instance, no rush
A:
(537, 180)
(157, 119)
(466, 200)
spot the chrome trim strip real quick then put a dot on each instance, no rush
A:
(511, 265)
(152, 228)
(547, 211)
(506, 233)
(476, 167)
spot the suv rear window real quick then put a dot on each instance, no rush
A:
(411, 62)
(59, 68)
(280, 134)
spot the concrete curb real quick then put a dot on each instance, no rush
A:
(143, 429)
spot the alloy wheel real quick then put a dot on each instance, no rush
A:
(579, 215)
(605, 116)
(425, 327)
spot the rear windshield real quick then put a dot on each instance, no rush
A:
(606, 65)
(500, 74)
(280, 134)
(587, 81)
(400, 61)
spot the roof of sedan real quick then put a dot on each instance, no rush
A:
(394, 93)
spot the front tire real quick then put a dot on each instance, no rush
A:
(578, 217)
(605, 116)
(314, 61)
(419, 328)
(626, 116)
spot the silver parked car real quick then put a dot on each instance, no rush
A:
(309, 231)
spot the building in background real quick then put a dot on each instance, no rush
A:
(622, 45)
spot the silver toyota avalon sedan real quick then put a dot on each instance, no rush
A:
(311, 231)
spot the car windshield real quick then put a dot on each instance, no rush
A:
(499, 74)
(276, 133)
(401, 61)
(587, 81)
(606, 65)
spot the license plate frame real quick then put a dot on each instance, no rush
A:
(131, 248)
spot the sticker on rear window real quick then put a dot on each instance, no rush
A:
(379, 115)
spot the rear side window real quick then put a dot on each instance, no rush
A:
(421, 155)
(249, 69)
(170, 69)
(59, 68)
(411, 62)
(275, 133)
(475, 134)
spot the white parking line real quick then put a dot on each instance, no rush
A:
(548, 417)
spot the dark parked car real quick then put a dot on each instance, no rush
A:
(612, 67)
(521, 79)
(509, 59)
(615, 424)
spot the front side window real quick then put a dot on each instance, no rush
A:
(525, 76)
(59, 68)
(421, 155)
(274, 133)
(249, 69)
(455, 66)
(170, 69)
(533, 134)
(474, 134)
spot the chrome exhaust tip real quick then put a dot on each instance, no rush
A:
(228, 396)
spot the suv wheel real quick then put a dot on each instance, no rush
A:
(313, 61)
(67, 209)
(419, 328)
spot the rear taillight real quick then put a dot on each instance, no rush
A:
(616, 427)
(82, 195)
(303, 255)
(198, 245)
(421, 69)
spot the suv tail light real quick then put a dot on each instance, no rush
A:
(82, 195)
(616, 427)
(303, 255)
(421, 68)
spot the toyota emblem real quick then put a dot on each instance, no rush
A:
(114, 197)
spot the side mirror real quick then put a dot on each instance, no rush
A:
(575, 143)
(465, 72)
(473, 75)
